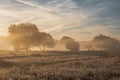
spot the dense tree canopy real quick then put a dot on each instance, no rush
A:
(27, 35)
(23, 28)
(70, 43)
(43, 39)
(64, 39)
(106, 43)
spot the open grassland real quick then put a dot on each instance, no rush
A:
(56, 65)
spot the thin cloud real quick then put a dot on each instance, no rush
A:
(8, 13)
(63, 4)
(25, 20)
(53, 1)
(62, 17)
(43, 8)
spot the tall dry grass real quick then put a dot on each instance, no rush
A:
(95, 65)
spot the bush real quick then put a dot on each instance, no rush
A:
(72, 45)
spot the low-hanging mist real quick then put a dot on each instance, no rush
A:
(27, 36)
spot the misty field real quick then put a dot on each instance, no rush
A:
(60, 65)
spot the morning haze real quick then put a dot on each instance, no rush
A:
(59, 40)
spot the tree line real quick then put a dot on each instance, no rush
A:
(103, 42)
(24, 36)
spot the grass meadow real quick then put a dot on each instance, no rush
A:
(60, 65)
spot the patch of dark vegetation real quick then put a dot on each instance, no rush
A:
(89, 75)
(59, 53)
(6, 64)
(12, 57)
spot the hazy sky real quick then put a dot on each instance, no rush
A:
(80, 19)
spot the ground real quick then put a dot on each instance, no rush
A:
(60, 65)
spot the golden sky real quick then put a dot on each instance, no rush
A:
(80, 19)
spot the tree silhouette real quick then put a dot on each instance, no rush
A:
(20, 35)
(27, 35)
(70, 43)
(43, 39)
(106, 43)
